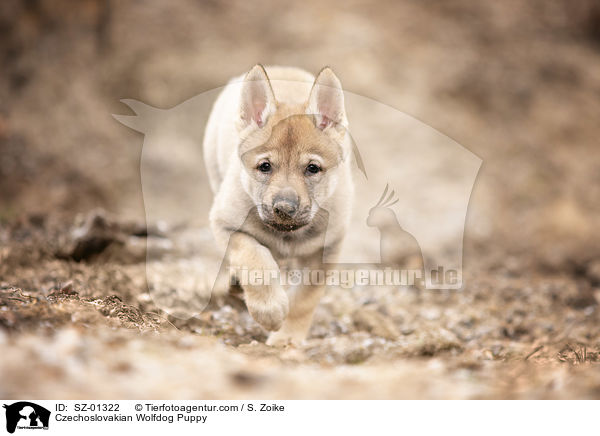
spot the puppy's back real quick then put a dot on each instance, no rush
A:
(290, 85)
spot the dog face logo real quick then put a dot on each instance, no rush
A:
(26, 415)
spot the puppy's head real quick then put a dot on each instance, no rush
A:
(291, 153)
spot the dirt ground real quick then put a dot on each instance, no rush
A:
(517, 83)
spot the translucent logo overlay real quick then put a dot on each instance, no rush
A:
(412, 187)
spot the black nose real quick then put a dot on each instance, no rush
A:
(285, 203)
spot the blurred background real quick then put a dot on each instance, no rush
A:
(515, 82)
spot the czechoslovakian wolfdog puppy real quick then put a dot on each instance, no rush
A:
(279, 163)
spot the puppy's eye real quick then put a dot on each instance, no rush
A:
(313, 169)
(264, 167)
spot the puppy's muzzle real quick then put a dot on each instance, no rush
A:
(286, 204)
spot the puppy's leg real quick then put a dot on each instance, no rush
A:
(267, 302)
(303, 302)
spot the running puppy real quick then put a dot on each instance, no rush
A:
(278, 159)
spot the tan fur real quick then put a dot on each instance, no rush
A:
(292, 121)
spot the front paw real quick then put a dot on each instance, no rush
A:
(290, 334)
(281, 339)
(269, 312)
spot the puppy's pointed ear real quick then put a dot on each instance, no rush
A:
(257, 99)
(326, 100)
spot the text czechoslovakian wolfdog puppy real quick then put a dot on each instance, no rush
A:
(279, 162)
